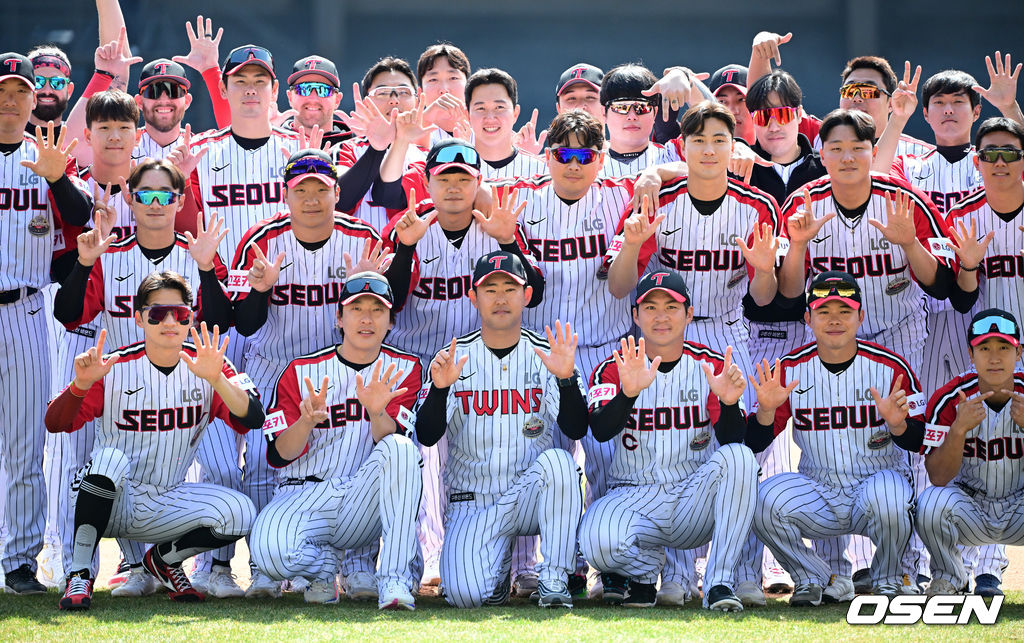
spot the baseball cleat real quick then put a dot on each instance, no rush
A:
(173, 577)
(862, 581)
(139, 583)
(839, 590)
(222, 583)
(750, 594)
(78, 594)
(396, 596)
(200, 580)
(640, 595)
(987, 585)
(262, 586)
(23, 581)
(673, 593)
(777, 581)
(361, 586)
(553, 594)
(806, 595)
(942, 587)
(578, 585)
(322, 592)
(525, 584)
(613, 588)
(722, 599)
(892, 590)
(50, 572)
(121, 575)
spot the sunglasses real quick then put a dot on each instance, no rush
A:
(385, 91)
(865, 91)
(323, 90)
(622, 107)
(364, 285)
(242, 56)
(310, 165)
(782, 115)
(456, 154)
(159, 87)
(840, 288)
(56, 82)
(1004, 154)
(1001, 325)
(155, 315)
(582, 155)
(163, 197)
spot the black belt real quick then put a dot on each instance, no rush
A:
(11, 296)
(296, 481)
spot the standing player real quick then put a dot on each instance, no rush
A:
(442, 71)
(53, 86)
(579, 87)
(314, 92)
(492, 98)
(132, 485)
(852, 477)
(163, 99)
(499, 392)
(630, 116)
(729, 87)
(350, 474)
(973, 446)
(674, 484)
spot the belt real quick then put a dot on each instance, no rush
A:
(287, 482)
(11, 296)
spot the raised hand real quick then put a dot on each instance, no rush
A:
(648, 184)
(312, 139)
(409, 125)
(676, 88)
(52, 158)
(209, 359)
(276, 116)
(377, 393)
(899, 226)
(1002, 89)
(411, 227)
(766, 46)
(203, 246)
(263, 274)
(635, 374)
(804, 226)
(447, 109)
(970, 412)
(367, 120)
(743, 160)
(968, 248)
(527, 138)
(504, 215)
(561, 360)
(1016, 407)
(93, 243)
(313, 408)
(114, 57)
(373, 258)
(640, 225)
(204, 47)
(894, 408)
(764, 247)
(771, 394)
(729, 384)
(183, 157)
(91, 366)
(445, 368)
(904, 98)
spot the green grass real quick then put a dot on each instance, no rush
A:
(30, 618)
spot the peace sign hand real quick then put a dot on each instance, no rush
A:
(263, 274)
(93, 243)
(729, 384)
(313, 408)
(90, 366)
(904, 98)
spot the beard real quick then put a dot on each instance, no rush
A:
(162, 122)
(51, 112)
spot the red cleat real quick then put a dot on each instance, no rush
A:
(173, 577)
(78, 593)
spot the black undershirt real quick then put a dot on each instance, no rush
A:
(836, 369)
(1009, 216)
(666, 367)
(954, 153)
(352, 365)
(166, 370)
(853, 214)
(625, 156)
(156, 255)
(249, 143)
(707, 208)
(314, 245)
(9, 148)
(996, 406)
(502, 353)
(503, 162)
(456, 237)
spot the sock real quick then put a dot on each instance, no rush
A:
(194, 542)
(92, 514)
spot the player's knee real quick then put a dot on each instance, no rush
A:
(932, 505)
(398, 450)
(239, 515)
(599, 540)
(559, 468)
(110, 463)
(737, 459)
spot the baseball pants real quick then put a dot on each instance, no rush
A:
(476, 558)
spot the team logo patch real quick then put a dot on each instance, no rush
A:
(39, 226)
(879, 440)
(700, 442)
(737, 278)
(533, 426)
(897, 285)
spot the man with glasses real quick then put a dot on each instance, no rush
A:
(314, 92)
(163, 99)
(630, 117)
(53, 87)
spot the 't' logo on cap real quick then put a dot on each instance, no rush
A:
(658, 277)
(729, 74)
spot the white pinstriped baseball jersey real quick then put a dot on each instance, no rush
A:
(154, 419)
(840, 432)
(304, 301)
(377, 216)
(501, 414)
(114, 281)
(30, 224)
(125, 225)
(243, 186)
(438, 306)
(524, 165)
(703, 248)
(670, 431)
(943, 182)
(340, 444)
(994, 450)
(570, 242)
(148, 148)
(889, 289)
(655, 154)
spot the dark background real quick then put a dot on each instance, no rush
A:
(535, 40)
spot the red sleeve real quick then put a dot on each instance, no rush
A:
(245, 256)
(68, 412)
(187, 219)
(218, 409)
(785, 412)
(898, 170)
(932, 229)
(94, 297)
(346, 156)
(287, 396)
(221, 109)
(98, 83)
(809, 127)
(604, 384)
(413, 382)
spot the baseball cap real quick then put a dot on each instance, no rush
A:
(366, 283)
(248, 55)
(314, 65)
(163, 69)
(993, 322)
(729, 76)
(453, 153)
(579, 73)
(13, 65)
(309, 163)
(665, 281)
(499, 261)
(834, 285)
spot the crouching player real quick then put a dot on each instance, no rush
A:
(349, 475)
(680, 473)
(974, 443)
(152, 411)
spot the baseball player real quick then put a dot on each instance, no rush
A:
(350, 474)
(492, 98)
(729, 87)
(674, 483)
(630, 116)
(314, 92)
(53, 86)
(132, 486)
(498, 393)
(853, 475)
(973, 444)
(442, 71)
(40, 199)
(579, 87)
(163, 99)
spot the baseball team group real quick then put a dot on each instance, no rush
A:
(686, 343)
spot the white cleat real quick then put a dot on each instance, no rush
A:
(750, 594)
(673, 593)
(200, 580)
(139, 583)
(777, 580)
(395, 596)
(50, 571)
(261, 586)
(839, 590)
(322, 592)
(361, 586)
(222, 584)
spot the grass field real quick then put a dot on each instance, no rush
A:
(32, 618)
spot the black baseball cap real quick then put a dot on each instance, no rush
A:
(14, 65)
(248, 55)
(499, 261)
(163, 69)
(993, 322)
(579, 73)
(366, 283)
(310, 163)
(666, 281)
(729, 76)
(453, 154)
(314, 65)
(834, 285)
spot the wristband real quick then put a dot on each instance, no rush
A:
(568, 382)
(99, 82)
(974, 269)
(77, 392)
